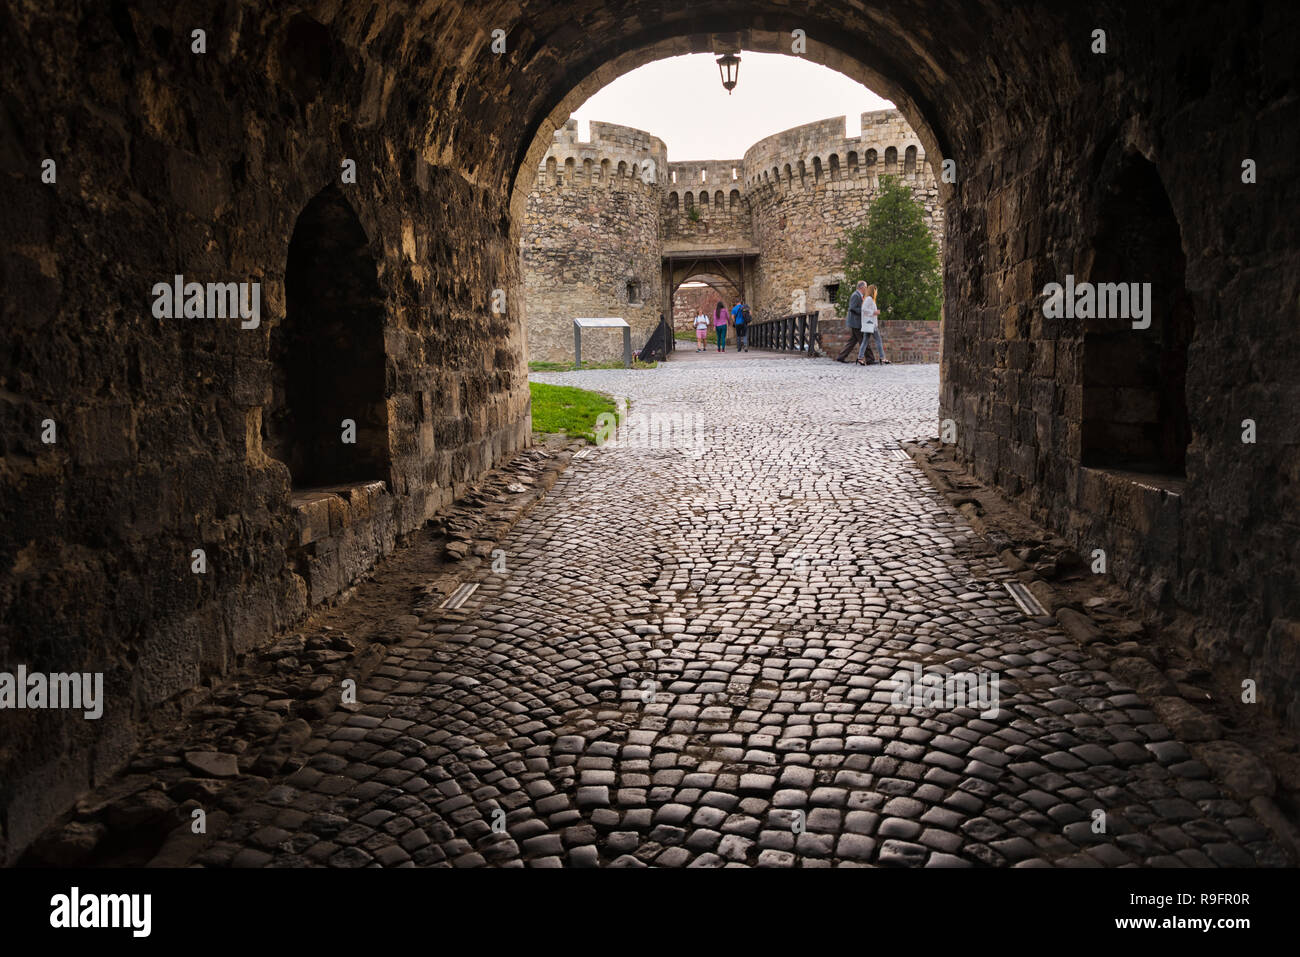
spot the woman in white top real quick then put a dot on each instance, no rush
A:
(870, 325)
(701, 330)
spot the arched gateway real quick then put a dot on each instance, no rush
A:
(170, 162)
(772, 239)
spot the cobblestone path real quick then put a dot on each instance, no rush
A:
(690, 661)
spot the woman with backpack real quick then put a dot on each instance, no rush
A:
(720, 325)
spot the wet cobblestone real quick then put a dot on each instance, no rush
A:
(690, 658)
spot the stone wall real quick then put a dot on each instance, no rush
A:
(906, 340)
(787, 203)
(1217, 536)
(172, 163)
(591, 242)
(809, 185)
(705, 206)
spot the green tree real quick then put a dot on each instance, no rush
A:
(895, 252)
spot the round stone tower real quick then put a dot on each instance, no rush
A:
(591, 243)
(609, 219)
(808, 185)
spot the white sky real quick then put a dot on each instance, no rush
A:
(681, 101)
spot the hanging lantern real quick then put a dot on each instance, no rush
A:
(729, 69)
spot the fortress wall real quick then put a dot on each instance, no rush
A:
(808, 185)
(603, 212)
(715, 189)
(591, 229)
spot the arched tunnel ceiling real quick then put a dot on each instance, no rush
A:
(173, 162)
(904, 59)
(709, 279)
(721, 285)
(949, 65)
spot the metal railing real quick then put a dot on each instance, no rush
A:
(660, 343)
(796, 333)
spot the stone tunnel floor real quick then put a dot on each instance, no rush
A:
(690, 657)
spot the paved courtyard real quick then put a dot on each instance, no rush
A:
(691, 656)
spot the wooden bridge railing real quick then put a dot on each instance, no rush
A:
(796, 333)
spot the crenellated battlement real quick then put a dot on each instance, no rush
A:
(807, 186)
(804, 157)
(606, 211)
(816, 153)
(615, 156)
(719, 184)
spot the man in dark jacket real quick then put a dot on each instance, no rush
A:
(854, 322)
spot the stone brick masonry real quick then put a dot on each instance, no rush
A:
(594, 224)
(1069, 161)
(906, 340)
(591, 248)
(808, 186)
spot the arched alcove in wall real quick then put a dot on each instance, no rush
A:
(1135, 356)
(327, 353)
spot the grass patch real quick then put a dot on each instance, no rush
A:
(688, 335)
(568, 366)
(563, 408)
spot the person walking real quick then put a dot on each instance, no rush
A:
(720, 325)
(701, 330)
(871, 326)
(740, 319)
(854, 322)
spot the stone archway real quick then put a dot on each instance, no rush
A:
(328, 353)
(714, 289)
(742, 27)
(765, 28)
(200, 170)
(1135, 366)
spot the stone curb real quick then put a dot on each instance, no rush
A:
(1241, 770)
(187, 766)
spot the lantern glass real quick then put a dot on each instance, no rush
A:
(729, 70)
